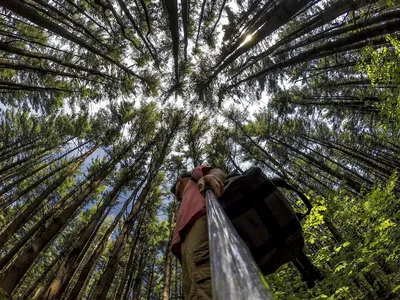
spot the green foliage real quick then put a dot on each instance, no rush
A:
(383, 68)
(3, 295)
(364, 265)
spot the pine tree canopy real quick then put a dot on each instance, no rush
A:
(104, 102)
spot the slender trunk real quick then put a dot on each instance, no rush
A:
(15, 148)
(273, 160)
(23, 217)
(185, 24)
(347, 179)
(137, 29)
(84, 12)
(64, 273)
(21, 169)
(310, 175)
(21, 66)
(83, 276)
(21, 265)
(137, 287)
(121, 24)
(39, 225)
(66, 17)
(7, 48)
(132, 269)
(171, 7)
(22, 178)
(203, 5)
(129, 265)
(37, 285)
(9, 143)
(30, 14)
(354, 41)
(61, 277)
(354, 153)
(382, 17)
(13, 152)
(329, 14)
(218, 18)
(6, 85)
(279, 15)
(333, 230)
(151, 278)
(24, 160)
(168, 257)
(235, 164)
(324, 157)
(31, 187)
(112, 265)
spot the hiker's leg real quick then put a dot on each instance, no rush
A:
(196, 262)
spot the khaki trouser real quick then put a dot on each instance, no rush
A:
(196, 271)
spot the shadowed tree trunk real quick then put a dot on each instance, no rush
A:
(39, 225)
(168, 257)
(82, 281)
(62, 276)
(20, 266)
(115, 255)
(30, 14)
(151, 278)
(22, 217)
(137, 286)
(33, 172)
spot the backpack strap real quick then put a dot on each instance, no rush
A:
(280, 182)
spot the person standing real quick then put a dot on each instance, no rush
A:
(190, 240)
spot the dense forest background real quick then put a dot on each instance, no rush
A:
(103, 102)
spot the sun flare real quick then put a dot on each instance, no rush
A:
(248, 38)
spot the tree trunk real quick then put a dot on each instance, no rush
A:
(62, 276)
(349, 181)
(128, 267)
(66, 17)
(354, 41)
(7, 48)
(185, 24)
(171, 6)
(23, 217)
(272, 20)
(30, 14)
(24, 67)
(26, 176)
(31, 187)
(34, 229)
(137, 286)
(168, 257)
(22, 168)
(382, 17)
(20, 149)
(132, 269)
(333, 230)
(151, 278)
(25, 159)
(82, 279)
(137, 29)
(21, 265)
(112, 265)
(37, 285)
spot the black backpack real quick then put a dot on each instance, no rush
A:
(267, 223)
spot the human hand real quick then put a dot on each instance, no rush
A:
(213, 182)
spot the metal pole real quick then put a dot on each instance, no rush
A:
(235, 274)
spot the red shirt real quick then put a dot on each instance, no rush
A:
(193, 207)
